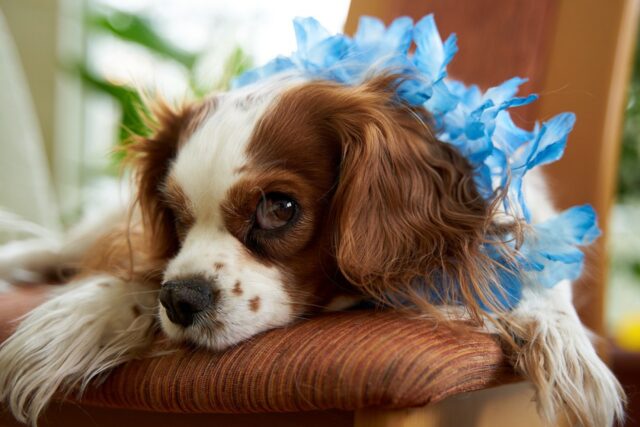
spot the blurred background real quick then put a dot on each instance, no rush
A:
(80, 65)
(70, 76)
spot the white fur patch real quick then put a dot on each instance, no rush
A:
(91, 326)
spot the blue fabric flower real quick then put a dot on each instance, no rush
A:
(477, 123)
(552, 248)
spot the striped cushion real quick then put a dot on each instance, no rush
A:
(346, 361)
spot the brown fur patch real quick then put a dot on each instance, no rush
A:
(241, 169)
(179, 204)
(218, 266)
(237, 289)
(196, 117)
(136, 311)
(124, 252)
(254, 304)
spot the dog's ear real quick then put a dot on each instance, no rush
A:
(406, 208)
(151, 157)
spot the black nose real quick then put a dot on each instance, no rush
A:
(184, 298)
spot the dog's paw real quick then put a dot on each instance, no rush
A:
(94, 325)
(32, 260)
(569, 377)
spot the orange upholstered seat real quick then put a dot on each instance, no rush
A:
(345, 361)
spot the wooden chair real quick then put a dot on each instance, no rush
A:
(383, 369)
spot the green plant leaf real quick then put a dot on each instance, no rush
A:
(138, 30)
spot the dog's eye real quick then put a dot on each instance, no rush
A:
(274, 211)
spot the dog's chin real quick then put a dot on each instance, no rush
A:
(215, 335)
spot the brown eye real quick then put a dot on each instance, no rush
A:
(275, 211)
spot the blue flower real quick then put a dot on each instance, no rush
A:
(554, 245)
(546, 146)
(477, 123)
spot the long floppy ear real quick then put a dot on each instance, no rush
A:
(410, 221)
(151, 157)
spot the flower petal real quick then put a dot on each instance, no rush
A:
(432, 56)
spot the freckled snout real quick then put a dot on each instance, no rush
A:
(184, 298)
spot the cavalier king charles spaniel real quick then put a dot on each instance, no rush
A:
(278, 200)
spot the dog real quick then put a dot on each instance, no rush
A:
(278, 200)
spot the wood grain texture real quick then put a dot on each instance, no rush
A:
(506, 406)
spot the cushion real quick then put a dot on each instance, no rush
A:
(346, 361)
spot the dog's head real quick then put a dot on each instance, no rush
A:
(279, 199)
